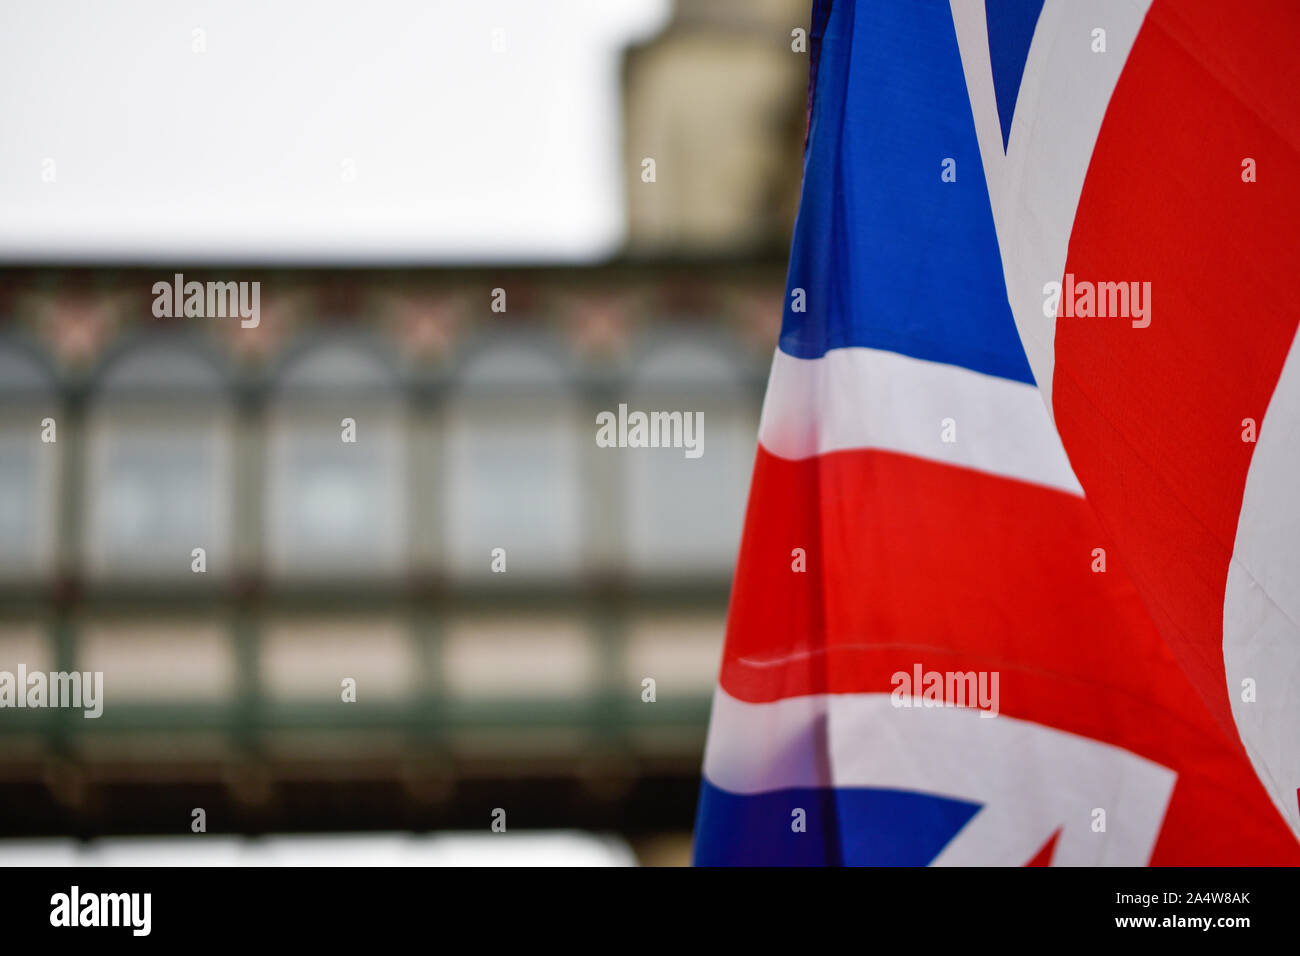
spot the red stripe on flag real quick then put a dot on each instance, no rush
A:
(913, 562)
(1152, 417)
(1044, 856)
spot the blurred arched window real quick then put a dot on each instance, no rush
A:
(159, 475)
(683, 515)
(512, 461)
(336, 463)
(28, 465)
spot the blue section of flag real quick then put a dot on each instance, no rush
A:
(886, 254)
(1011, 26)
(851, 826)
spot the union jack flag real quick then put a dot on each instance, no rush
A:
(1020, 576)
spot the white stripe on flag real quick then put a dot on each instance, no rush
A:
(1034, 189)
(1030, 780)
(867, 398)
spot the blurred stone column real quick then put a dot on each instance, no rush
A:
(718, 102)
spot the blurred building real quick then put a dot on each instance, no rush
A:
(327, 561)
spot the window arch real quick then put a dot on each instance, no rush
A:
(159, 461)
(683, 515)
(336, 462)
(513, 460)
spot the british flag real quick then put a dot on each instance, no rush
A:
(1029, 450)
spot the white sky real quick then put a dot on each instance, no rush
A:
(314, 130)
